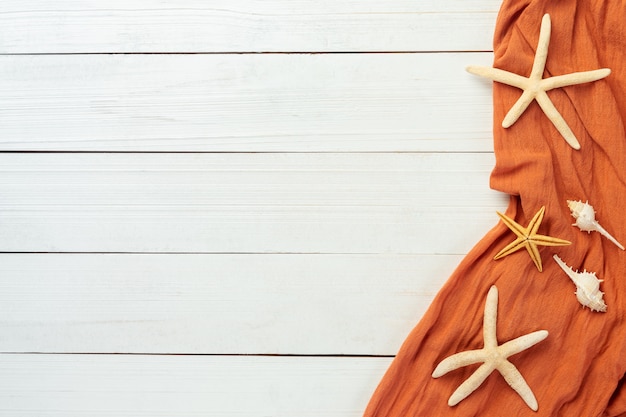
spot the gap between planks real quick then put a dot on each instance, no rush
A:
(251, 53)
(224, 355)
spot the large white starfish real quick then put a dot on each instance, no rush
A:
(493, 356)
(535, 86)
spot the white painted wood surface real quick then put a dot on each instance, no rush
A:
(245, 103)
(215, 304)
(231, 208)
(246, 203)
(186, 386)
(192, 26)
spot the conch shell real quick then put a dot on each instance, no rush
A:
(587, 287)
(586, 220)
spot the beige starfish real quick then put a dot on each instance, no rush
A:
(493, 356)
(528, 238)
(535, 86)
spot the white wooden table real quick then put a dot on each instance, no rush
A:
(231, 207)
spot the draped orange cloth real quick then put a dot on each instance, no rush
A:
(578, 370)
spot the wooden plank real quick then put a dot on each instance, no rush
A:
(74, 26)
(245, 103)
(246, 203)
(215, 304)
(186, 386)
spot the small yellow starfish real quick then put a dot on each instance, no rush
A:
(493, 356)
(535, 86)
(528, 238)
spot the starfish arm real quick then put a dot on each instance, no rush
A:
(499, 75)
(458, 360)
(574, 78)
(490, 318)
(549, 241)
(557, 120)
(514, 246)
(541, 55)
(533, 251)
(513, 225)
(518, 108)
(534, 224)
(514, 378)
(471, 384)
(522, 343)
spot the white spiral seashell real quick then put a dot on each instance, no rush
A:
(586, 221)
(587, 287)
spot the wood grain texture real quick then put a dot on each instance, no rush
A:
(215, 304)
(74, 26)
(185, 386)
(246, 203)
(245, 103)
(224, 178)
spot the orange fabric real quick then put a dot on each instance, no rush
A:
(578, 369)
